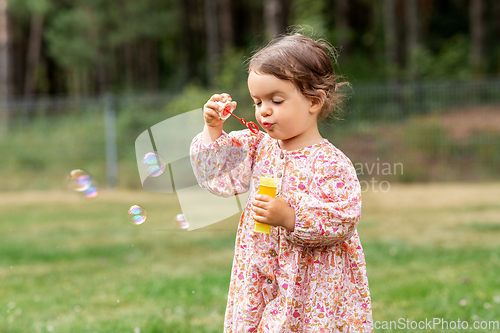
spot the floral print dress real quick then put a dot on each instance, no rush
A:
(312, 279)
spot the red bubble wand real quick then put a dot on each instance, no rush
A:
(250, 124)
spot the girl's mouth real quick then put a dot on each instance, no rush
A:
(267, 125)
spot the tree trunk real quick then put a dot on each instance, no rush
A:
(477, 35)
(5, 65)
(129, 65)
(275, 17)
(343, 27)
(390, 36)
(226, 25)
(412, 15)
(493, 63)
(213, 45)
(152, 59)
(33, 54)
(391, 53)
(186, 39)
(101, 72)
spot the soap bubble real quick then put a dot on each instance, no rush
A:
(154, 164)
(181, 220)
(79, 180)
(91, 192)
(137, 214)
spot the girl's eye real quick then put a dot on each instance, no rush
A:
(257, 103)
(277, 102)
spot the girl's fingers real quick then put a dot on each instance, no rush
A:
(215, 97)
(262, 197)
(209, 113)
(224, 97)
(212, 110)
(258, 218)
(211, 116)
(259, 206)
(213, 106)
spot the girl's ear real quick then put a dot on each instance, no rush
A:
(317, 102)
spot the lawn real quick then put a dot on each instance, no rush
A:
(69, 264)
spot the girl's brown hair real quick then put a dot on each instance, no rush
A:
(307, 64)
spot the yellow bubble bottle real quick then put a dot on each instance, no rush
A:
(268, 187)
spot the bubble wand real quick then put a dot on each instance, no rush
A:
(227, 111)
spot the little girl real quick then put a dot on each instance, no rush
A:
(309, 274)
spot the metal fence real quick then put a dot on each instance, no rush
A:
(43, 139)
(439, 131)
(398, 99)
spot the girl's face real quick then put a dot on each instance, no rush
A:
(284, 112)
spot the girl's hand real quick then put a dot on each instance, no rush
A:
(273, 211)
(212, 110)
(213, 121)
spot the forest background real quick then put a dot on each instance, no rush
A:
(424, 77)
(89, 47)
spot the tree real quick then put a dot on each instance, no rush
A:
(412, 16)
(477, 32)
(343, 25)
(38, 10)
(390, 36)
(213, 43)
(275, 17)
(226, 25)
(103, 45)
(90, 46)
(4, 61)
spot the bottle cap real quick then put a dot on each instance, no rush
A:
(270, 182)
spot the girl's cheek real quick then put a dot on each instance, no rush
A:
(258, 118)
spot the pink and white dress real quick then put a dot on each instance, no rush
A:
(312, 279)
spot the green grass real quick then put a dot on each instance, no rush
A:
(73, 265)
(432, 251)
(76, 265)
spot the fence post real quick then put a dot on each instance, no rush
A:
(111, 145)
(4, 116)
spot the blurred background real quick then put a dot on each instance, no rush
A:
(424, 75)
(81, 79)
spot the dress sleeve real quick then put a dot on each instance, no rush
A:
(224, 166)
(330, 211)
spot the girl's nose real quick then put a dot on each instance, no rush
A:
(265, 110)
